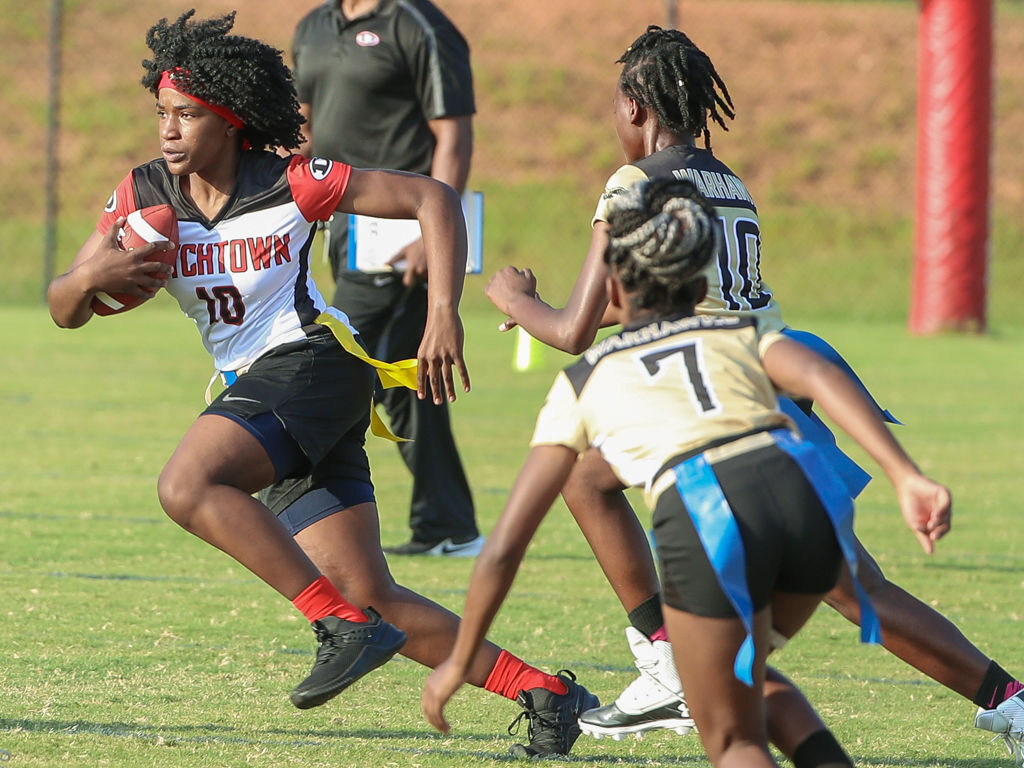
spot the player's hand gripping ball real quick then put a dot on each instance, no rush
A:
(147, 225)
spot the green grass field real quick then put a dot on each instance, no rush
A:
(129, 643)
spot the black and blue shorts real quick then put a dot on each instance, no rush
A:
(789, 540)
(308, 403)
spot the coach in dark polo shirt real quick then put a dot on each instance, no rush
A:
(387, 84)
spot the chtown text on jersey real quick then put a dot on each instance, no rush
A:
(197, 259)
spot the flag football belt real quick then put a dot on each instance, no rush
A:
(398, 374)
(695, 481)
(227, 378)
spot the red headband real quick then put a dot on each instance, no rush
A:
(168, 80)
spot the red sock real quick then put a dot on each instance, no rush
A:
(659, 634)
(512, 675)
(321, 598)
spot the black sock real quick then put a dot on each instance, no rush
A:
(993, 687)
(821, 750)
(647, 616)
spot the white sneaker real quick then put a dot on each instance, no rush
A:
(1007, 722)
(451, 548)
(443, 548)
(651, 702)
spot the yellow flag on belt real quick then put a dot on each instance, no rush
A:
(400, 374)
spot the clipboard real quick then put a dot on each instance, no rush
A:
(372, 240)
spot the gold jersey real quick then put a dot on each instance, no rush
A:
(648, 394)
(735, 286)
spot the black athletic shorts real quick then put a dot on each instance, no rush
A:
(788, 538)
(308, 403)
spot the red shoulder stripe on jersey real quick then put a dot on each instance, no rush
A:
(317, 185)
(121, 203)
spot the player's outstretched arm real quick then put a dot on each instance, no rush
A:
(571, 329)
(799, 371)
(101, 265)
(400, 195)
(539, 482)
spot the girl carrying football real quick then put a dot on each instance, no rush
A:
(290, 425)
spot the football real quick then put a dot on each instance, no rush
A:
(146, 225)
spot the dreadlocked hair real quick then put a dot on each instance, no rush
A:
(245, 75)
(665, 71)
(662, 235)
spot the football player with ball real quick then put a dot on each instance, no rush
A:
(290, 424)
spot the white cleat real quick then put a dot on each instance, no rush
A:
(991, 720)
(653, 701)
(1007, 722)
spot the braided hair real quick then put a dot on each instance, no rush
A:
(662, 236)
(245, 75)
(665, 71)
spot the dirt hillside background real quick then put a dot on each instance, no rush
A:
(825, 133)
(825, 91)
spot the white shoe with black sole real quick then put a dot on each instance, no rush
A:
(654, 701)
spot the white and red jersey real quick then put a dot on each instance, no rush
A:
(243, 277)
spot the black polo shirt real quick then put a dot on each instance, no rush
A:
(373, 82)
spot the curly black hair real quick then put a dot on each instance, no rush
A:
(665, 71)
(245, 75)
(662, 236)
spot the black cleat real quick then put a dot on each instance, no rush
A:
(552, 719)
(348, 650)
